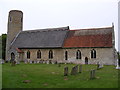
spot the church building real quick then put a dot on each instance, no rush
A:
(80, 46)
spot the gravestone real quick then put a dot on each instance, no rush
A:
(92, 74)
(18, 62)
(59, 65)
(13, 63)
(35, 62)
(74, 70)
(80, 68)
(50, 62)
(2, 61)
(38, 61)
(118, 64)
(25, 61)
(66, 71)
(30, 61)
(47, 62)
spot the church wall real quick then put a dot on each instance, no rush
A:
(103, 55)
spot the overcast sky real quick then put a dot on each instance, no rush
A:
(77, 14)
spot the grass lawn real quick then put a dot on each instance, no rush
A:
(51, 76)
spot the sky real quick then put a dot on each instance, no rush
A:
(77, 14)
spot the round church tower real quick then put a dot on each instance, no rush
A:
(15, 25)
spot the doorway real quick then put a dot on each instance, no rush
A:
(86, 60)
(12, 56)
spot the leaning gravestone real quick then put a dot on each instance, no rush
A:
(66, 71)
(74, 71)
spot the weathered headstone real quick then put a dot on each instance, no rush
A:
(66, 71)
(59, 65)
(35, 62)
(50, 62)
(92, 74)
(38, 61)
(118, 64)
(13, 63)
(74, 71)
(80, 68)
(30, 61)
(26, 61)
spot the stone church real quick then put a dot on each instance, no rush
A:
(80, 46)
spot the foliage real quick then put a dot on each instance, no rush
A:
(51, 76)
(118, 55)
(4, 36)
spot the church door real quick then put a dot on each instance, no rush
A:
(86, 60)
(12, 56)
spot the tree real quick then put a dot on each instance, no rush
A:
(4, 36)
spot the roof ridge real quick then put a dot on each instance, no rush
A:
(48, 29)
(92, 28)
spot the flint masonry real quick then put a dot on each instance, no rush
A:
(81, 46)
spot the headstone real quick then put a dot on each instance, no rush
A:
(2, 61)
(13, 63)
(30, 61)
(47, 62)
(18, 62)
(74, 71)
(92, 74)
(25, 62)
(50, 62)
(118, 64)
(55, 62)
(59, 65)
(38, 61)
(35, 62)
(80, 68)
(66, 71)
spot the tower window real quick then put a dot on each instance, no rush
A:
(28, 54)
(78, 54)
(50, 54)
(93, 53)
(39, 54)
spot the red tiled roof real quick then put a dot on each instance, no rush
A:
(99, 37)
(18, 50)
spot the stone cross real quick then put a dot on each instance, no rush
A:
(66, 71)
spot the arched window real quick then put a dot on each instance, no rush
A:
(78, 54)
(28, 54)
(50, 54)
(93, 53)
(66, 55)
(38, 54)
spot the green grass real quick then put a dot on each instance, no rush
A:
(51, 76)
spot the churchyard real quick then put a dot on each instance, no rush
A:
(38, 75)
